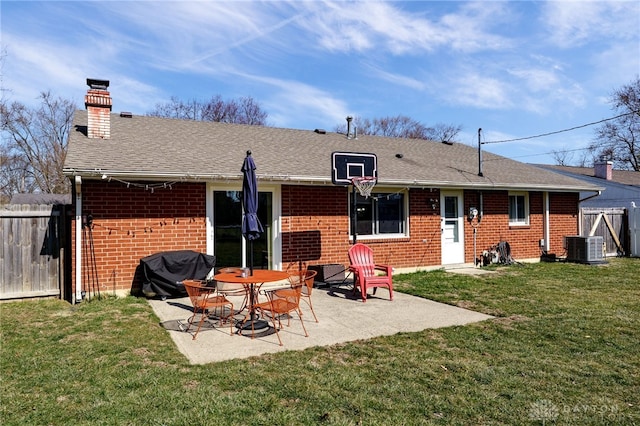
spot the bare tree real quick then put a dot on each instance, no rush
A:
(618, 140)
(402, 126)
(441, 132)
(34, 145)
(562, 157)
(241, 111)
(567, 157)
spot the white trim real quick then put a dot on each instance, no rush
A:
(547, 231)
(276, 213)
(456, 251)
(527, 213)
(78, 251)
(209, 219)
(405, 219)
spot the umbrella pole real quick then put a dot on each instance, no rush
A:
(251, 257)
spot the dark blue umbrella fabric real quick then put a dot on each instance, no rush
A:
(251, 226)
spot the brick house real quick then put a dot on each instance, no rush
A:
(148, 184)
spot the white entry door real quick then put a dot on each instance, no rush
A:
(451, 224)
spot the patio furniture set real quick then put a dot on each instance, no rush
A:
(212, 298)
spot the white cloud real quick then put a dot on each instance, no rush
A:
(398, 79)
(308, 103)
(479, 91)
(366, 26)
(615, 66)
(316, 62)
(35, 65)
(536, 80)
(574, 23)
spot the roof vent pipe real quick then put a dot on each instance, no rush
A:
(349, 120)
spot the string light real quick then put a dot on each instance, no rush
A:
(132, 231)
(146, 186)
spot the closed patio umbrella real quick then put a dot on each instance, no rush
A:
(251, 226)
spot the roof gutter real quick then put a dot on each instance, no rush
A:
(590, 197)
(203, 177)
(485, 186)
(186, 177)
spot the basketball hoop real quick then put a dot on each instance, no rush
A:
(364, 184)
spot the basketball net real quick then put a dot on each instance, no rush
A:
(364, 184)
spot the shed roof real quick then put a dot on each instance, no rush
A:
(40, 198)
(152, 148)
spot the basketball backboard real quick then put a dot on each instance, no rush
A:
(347, 165)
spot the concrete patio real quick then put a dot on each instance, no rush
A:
(342, 316)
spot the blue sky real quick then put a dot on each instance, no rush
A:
(515, 69)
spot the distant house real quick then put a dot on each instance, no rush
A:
(617, 203)
(621, 188)
(148, 184)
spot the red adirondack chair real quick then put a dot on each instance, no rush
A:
(365, 271)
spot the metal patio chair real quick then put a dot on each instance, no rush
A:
(203, 299)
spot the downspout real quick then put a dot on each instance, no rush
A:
(590, 197)
(78, 251)
(547, 231)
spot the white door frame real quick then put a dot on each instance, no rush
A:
(276, 213)
(452, 228)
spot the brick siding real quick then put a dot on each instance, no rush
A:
(133, 222)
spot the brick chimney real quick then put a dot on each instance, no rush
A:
(98, 104)
(603, 169)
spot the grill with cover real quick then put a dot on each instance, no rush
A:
(164, 272)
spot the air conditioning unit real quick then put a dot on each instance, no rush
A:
(584, 249)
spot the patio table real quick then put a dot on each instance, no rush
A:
(252, 282)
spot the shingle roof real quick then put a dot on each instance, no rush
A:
(152, 148)
(39, 198)
(625, 177)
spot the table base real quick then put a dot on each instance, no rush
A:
(260, 328)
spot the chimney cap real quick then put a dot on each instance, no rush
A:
(97, 84)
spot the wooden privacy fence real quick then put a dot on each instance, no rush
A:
(32, 251)
(611, 224)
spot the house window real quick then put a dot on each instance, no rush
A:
(382, 214)
(518, 208)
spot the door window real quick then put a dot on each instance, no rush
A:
(451, 219)
(228, 244)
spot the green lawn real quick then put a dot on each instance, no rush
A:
(564, 349)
